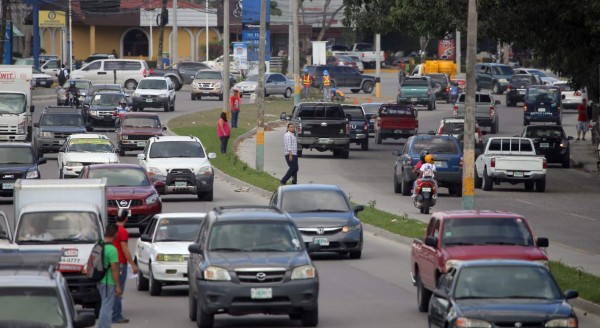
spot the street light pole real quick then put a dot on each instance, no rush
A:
(70, 58)
(206, 24)
(296, 57)
(469, 144)
(175, 55)
(226, 85)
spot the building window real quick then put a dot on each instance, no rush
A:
(135, 43)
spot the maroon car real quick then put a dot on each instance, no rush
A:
(130, 187)
(135, 129)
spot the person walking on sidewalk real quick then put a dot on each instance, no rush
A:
(582, 120)
(121, 244)
(234, 107)
(110, 286)
(326, 86)
(290, 151)
(306, 83)
(223, 131)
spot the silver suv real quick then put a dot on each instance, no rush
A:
(208, 83)
(251, 259)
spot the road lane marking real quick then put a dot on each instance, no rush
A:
(582, 217)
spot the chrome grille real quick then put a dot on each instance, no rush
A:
(180, 171)
(260, 276)
(320, 231)
(138, 137)
(125, 203)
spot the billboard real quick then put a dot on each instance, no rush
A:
(240, 54)
(52, 18)
(447, 49)
(251, 28)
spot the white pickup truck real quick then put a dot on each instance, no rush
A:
(512, 160)
(367, 54)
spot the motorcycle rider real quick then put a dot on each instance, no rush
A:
(123, 108)
(427, 165)
(454, 91)
(72, 90)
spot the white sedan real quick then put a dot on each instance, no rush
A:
(84, 149)
(162, 250)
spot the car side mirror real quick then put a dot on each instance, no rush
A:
(160, 186)
(89, 128)
(570, 294)
(42, 160)
(141, 156)
(313, 248)
(195, 248)
(431, 241)
(358, 208)
(146, 238)
(562, 97)
(283, 117)
(212, 155)
(32, 108)
(36, 125)
(84, 319)
(164, 128)
(440, 293)
(497, 102)
(542, 242)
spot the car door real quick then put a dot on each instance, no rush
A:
(5, 231)
(143, 158)
(352, 78)
(93, 72)
(144, 249)
(51, 68)
(438, 311)
(428, 261)
(194, 259)
(270, 85)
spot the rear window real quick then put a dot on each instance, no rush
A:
(545, 132)
(332, 112)
(510, 145)
(355, 113)
(439, 78)
(479, 98)
(363, 47)
(396, 110)
(123, 65)
(415, 82)
(435, 146)
(539, 95)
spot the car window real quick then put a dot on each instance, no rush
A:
(93, 66)
(333, 112)
(107, 99)
(152, 84)
(483, 98)
(120, 177)
(486, 231)
(439, 78)
(371, 108)
(177, 229)
(61, 120)
(152, 227)
(415, 82)
(355, 113)
(510, 145)
(277, 78)
(16, 155)
(545, 132)
(387, 110)
(503, 70)
(299, 201)
(521, 79)
(208, 75)
(41, 304)
(363, 47)
(90, 145)
(435, 146)
(170, 149)
(254, 237)
(540, 95)
(453, 127)
(129, 65)
(140, 122)
(67, 226)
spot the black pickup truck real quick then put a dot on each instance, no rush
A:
(321, 126)
(180, 73)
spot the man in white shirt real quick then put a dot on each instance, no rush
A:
(35, 232)
(290, 151)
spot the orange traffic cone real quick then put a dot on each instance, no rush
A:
(355, 101)
(370, 100)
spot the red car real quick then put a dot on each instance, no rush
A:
(130, 187)
(135, 129)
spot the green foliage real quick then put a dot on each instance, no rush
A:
(576, 279)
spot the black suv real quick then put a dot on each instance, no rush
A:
(342, 76)
(251, 259)
(359, 125)
(55, 125)
(441, 85)
(18, 160)
(517, 85)
(101, 109)
(550, 141)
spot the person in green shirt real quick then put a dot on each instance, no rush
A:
(109, 287)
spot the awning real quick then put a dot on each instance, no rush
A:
(16, 31)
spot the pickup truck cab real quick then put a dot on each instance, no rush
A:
(154, 92)
(417, 91)
(396, 121)
(455, 236)
(322, 126)
(486, 114)
(512, 160)
(367, 54)
(359, 126)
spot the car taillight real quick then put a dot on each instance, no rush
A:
(347, 128)
(362, 54)
(148, 72)
(492, 110)
(365, 126)
(428, 92)
(447, 89)
(545, 163)
(493, 162)
(455, 110)
(524, 107)
(577, 93)
(460, 163)
(508, 87)
(479, 136)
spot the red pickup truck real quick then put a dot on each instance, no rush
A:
(455, 236)
(395, 121)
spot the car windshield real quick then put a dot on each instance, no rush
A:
(208, 75)
(12, 103)
(486, 231)
(395, 110)
(371, 108)
(170, 149)
(321, 111)
(415, 82)
(121, 177)
(355, 113)
(539, 95)
(16, 155)
(96, 89)
(81, 85)
(480, 98)
(434, 146)
(90, 145)
(180, 229)
(508, 282)
(254, 237)
(39, 305)
(108, 99)
(140, 122)
(62, 120)
(152, 84)
(545, 132)
(439, 78)
(301, 201)
(60, 227)
(453, 128)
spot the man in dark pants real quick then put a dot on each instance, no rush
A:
(290, 151)
(121, 244)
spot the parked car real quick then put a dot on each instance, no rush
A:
(542, 104)
(129, 187)
(517, 85)
(493, 76)
(255, 259)
(571, 98)
(275, 84)
(544, 77)
(550, 141)
(135, 129)
(324, 215)
(84, 149)
(18, 160)
(154, 92)
(161, 252)
(82, 85)
(41, 79)
(101, 110)
(486, 114)
(342, 76)
(493, 293)
(51, 67)
(359, 125)
(126, 72)
(55, 125)
(396, 121)
(441, 85)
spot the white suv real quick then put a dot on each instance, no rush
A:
(181, 163)
(126, 72)
(80, 150)
(155, 92)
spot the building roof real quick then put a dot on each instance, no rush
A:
(155, 4)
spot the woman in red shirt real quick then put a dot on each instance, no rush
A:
(223, 131)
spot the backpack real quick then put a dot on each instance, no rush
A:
(95, 264)
(62, 76)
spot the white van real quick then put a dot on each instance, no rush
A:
(128, 72)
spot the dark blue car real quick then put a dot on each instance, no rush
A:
(500, 293)
(542, 104)
(18, 160)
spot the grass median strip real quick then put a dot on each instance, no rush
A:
(204, 126)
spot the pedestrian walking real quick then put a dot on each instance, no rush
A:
(234, 107)
(223, 132)
(582, 120)
(290, 151)
(110, 286)
(306, 83)
(62, 75)
(121, 244)
(326, 86)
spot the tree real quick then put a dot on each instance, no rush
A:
(327, 16)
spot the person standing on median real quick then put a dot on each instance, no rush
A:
(306, 83)
(326, 86)
(234, 107)
(121, 244)
(223, 131)
(110, 286)
(290, 151)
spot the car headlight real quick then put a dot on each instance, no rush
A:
(304, 272)
(502, 81)
(205, 170)
(567, 322)
(154, 171)
(351, 228)
(74, 164)
(216, 274)
(218, 85)
(94, 112)
(152, 199)
(32, 174)
(47, 134)
(169, 258)
(125, 137)
(471, 323)
(164, 95)
(135, 94)
(21, 127)
(451, 263)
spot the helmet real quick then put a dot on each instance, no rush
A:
(333, 90)
(429, 159)
(72, 83)
(235, 89)
(325, 72)
(423, 154)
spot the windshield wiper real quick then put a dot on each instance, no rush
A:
(527, 297)
(499, 243)
(163, 240)
(14, 163)
(227, 249)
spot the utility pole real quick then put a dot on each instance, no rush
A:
(174, 54)
(161, 20)
(377, 65)
(4, 9)
(260, 99)
(457, 52)
(296, 58)
(206, 24)
(70, 38)
(226, 85)
(469, 144)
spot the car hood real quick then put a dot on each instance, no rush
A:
(207, 80)
(523, 310)
(152, 92)
(529, 253)
(247, 84)
(65, 129)
(129, 192)
(179, 162)
(323, 219)
(237, 260)
(14, 168)
(103, 107)
(172, 247)
(92, 157)
(142, 131)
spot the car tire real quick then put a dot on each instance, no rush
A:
(423, 295)
(130, 84)
(355, 255)
(166, 107)
(397, 186)
(430, 106)
(529, 185)
(566, 162)
(336, 153)
(540, 185)
(287, 93)
(155, 286)
(206, 195)
(295, 316)
(60, 174)
(141, 109)
(525, 122)
(345, 154)
(141, 282)
(192, 307)
(406, 188)
(478, 180)
(221, 97)
(365, 144)
(97, 307)
(367, 87)
(121, 151)
(193, 96)
(355, 90)
(176, 84)
(509, 103)
(487, 181)
(310, 318)
(458, 190)
(494, 127)
(299, 153)
(173, 107)
(204, 319)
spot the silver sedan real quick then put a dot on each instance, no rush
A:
(275, 84)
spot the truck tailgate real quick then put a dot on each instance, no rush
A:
(399, 123)
(519, 163)
(324, 129)
(407, 92)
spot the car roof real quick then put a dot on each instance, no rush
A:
(499, 262)
(88, 136)
(162, 78)
(249, 214)
(138, 114)
(310, 186)
(61, 110)
(181, 215)
(474, 214)
(174, 138)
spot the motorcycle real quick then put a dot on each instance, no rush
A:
(426, 194)
(453, 98)
(72, 99)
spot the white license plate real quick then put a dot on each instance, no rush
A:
(413, 99)
(541, 109)
(205, 91)
(372, 120)
(518, 174)
(8, 186)
(321, 241)
(439, 164)
(148, 100)
(141, 143)
(180, 184)
(544, 145)
(261, 293)
(521, 92)
(325, 140)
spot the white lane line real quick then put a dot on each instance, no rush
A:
(571, 214)
(582, 217)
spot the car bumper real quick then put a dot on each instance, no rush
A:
(484, 121)
(132, 144)
(173, 272)
(159, 102)
(209, 92)
(199, 184)
(356, 137)
(338, 242)
(414, 101)
(553, 156)
(570, 105)
(515, 97)
(509, 176)
(232, 298)
(82, 290)
(314, 142)
(49, 144)
(108, 120)
(396, 133)
(13, 137)
(551, 117)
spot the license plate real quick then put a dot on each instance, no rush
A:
(108, 118)
(544, 145)
(321, 241)
(8, 186)
(541, 109)
(413, 99)
(141, 143)
(518, 174)
(325, 140)
(521, 92)
(205, 91)
(261, 293)
(372, 120)
(426, 189)
(148, 100)
(397, 131)
(180, 184)
(439, 164)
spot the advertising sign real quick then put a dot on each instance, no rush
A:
(251, 28)
(240, 54)
(447, 49)
(51, 18)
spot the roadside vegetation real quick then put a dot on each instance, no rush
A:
(204, 126)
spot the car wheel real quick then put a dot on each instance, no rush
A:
(509, 103)
(406, 188)
(355, 90)
(397, 186)
(130, 84)
(193, 96)
(221, 97)
(458, 190)
(365, 144)
(430, 106)
(141, 282)
(336, 153)
(310, 318)
(121, 151)
(60, 174)
(97, 307)
(204, 319)
(367, 87)
(288, 93)
(176, 84)
(566, 162)
(295, 316)
(525, 122)
(206, 196)
(487, 181)
(494, 128)
(345, 154)
(529, 185)
(423, 295)
(192, 307)
(478, 180)
(166, 107)
(141, 109)
(540, 185)
(355, 255)
(155, 286)
(173, 107)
